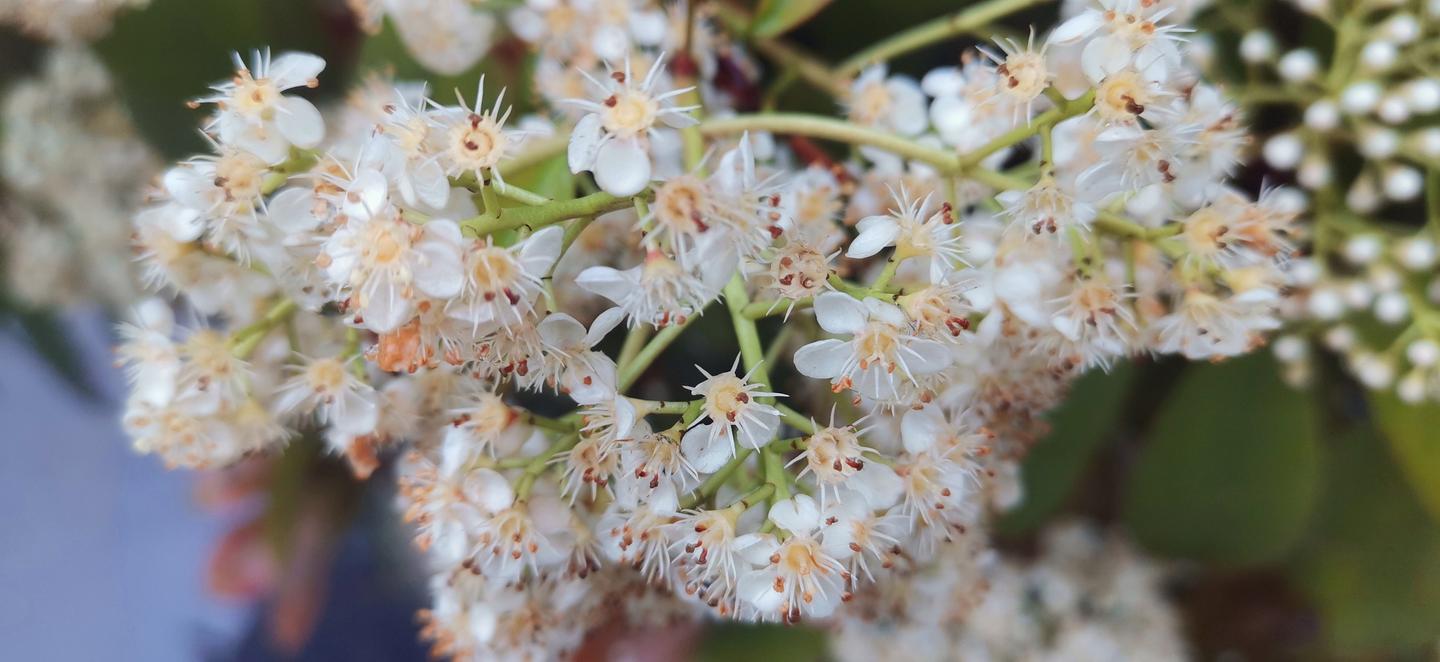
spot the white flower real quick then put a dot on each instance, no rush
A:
(913, 233)
(796, 578)
(895, 103)
(880, 344)
(386, 262)
(613, 139)
(569, 348)
(661, 291)
(735, 415)
(406, 144)
(1120, 34)
(1046, 209)
(1204, 326)
(325, 387)
(255, 115)
(472, 140)
(501, 283)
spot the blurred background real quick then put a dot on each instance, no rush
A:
(1302, 523)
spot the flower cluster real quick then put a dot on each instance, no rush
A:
(376, 275)
(1368, 290)
(1087, 597)
(72, 166)
(64, 20)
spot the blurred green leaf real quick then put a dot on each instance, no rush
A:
(733, 641)
(1080, 427)
(173, 50)
(776, 17)
(1414, 435)
(1372, 566)
(1230, 471)
(550, 178)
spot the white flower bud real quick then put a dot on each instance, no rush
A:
(1423, 95)
(1432, 8)
(1363, 249)
(1378, 56)
(1363, 197)
(1303, 272)
(1416, 253)
(1426, 141)
(1315, 172)
(1393, 109)
(1385, 279)
(1326, 304)
(1378, 143)
(1360, 97)
(1289, 349)
(1298, 66)
(1340, 338)
(1411, 388)
(1401, 28)
(1357, 294)
(1257, 46)
(1283, 151)
(1201, 52)
(1323, 115)
(1391, 308)
(1402, 183)
(1372, 370)
(1423, 353)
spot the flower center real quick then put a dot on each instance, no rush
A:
(254, 99)
(726, 398)
(678, 204)
(1122, 96)
(871, 104)
(493, 269)
(630, 113)
(477, 142)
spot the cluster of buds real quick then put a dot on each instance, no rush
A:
(1367, 290)
(376, 276)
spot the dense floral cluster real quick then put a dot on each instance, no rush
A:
(380, 280)
(72, 168)
(1086, 597)
(1369, 290)
(64, 20)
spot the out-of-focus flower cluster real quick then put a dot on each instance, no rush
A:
(1087, 596)
(73, 169)
(1368, 291)
(64, 20)
(377, 277)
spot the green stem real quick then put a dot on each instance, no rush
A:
(647, 355)
(536, 465)
(1062, 111)
(717, 479)
(966, 21)
(542, 215)
(518, 194)
(818, 126)
(634, 342)
(245, 340)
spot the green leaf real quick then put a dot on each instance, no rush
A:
(733, 641)
(1372, 566)
(1230, 471)
(550, 178)
(1414, 435)
(1080, 426)
(776, 17)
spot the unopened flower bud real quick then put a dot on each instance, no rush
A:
(1423, 353)
(1298, 66)
(1360, 97)
(1283, 151)
(1257, 46)
(1391, 308)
